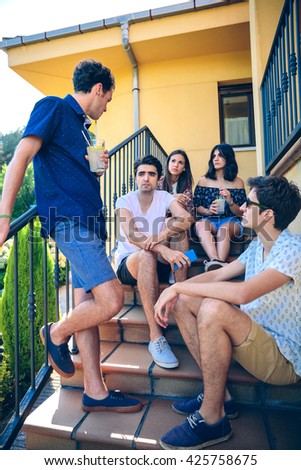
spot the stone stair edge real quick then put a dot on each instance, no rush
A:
(189, 369)
(95, 430)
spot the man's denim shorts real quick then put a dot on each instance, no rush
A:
(86, 253)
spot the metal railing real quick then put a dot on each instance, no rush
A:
(281, 87)
(118, 180)
(22, 405)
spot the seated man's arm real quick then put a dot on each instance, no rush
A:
(136, 237)
(235, 292)
(226, 273)
(128, 225)
(180, 221)
(214, 285)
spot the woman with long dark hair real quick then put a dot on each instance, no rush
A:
(217, 200)
(178, 179)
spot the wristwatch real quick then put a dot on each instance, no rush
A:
(231, 203)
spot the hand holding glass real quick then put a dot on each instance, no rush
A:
(221, 205)
(95, 152)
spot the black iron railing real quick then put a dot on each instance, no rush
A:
(281, 87)
(23, 404)
(118, 180)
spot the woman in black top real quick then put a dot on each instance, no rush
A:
(215, 228)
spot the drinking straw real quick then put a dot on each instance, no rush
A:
(96, 137)
(86, 139)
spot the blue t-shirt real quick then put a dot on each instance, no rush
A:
(64, 184)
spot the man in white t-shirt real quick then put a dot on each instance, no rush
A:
(263, 335)
(143, 256)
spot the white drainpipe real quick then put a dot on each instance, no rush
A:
(130, 54)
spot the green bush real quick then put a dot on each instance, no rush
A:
(4, 253)
(7, 307)
(6, 393)
(26, 196)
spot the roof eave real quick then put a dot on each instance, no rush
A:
(147, 15)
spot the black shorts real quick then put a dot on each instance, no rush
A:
(125, 277)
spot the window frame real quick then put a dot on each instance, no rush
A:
(237, 90)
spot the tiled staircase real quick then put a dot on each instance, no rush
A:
(270, 417)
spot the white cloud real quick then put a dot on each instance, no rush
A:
(20, 18)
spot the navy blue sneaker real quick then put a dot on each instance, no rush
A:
(59, 356)
(186, 407)
(195, 433)
(116, 401)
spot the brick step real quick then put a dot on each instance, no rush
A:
(130, 368)
(60, 424)
(131, 326)
(132, 296)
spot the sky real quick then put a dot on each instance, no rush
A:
(26, 17)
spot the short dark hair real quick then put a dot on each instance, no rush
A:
(89, 72)
(149, 160)
(277, 193)
(231, 167)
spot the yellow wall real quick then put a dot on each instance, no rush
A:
(179, 103)
(181, 61)
(266, 17)
(178, 97)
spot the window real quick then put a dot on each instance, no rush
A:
(236, 115)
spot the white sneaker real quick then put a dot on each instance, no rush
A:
(214, 264)
(162, 354)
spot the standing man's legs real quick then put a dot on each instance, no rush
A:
(98, 297)
(88, 343)
(92, 273)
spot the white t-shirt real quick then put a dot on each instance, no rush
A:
(149, 223)
(279, 311)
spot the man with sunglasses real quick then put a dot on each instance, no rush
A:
(263, 334)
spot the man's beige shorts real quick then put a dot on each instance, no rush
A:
(260, 356)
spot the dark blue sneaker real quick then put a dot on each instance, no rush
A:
(59, 356)
(186, 407)
(195, 433)
(116, 401)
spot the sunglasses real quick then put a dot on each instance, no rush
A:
(252, 203)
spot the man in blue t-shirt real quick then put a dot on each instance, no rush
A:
(70, 209)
